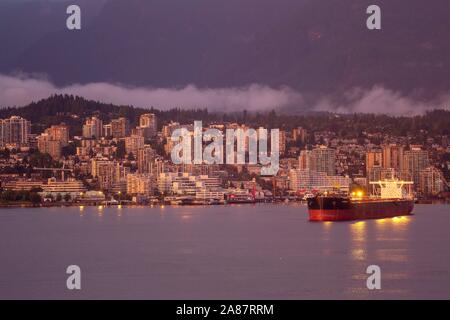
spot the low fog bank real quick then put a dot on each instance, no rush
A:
(21, 90)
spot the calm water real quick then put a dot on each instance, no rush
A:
(228, 252)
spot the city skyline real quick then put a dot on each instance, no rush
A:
(116, 161)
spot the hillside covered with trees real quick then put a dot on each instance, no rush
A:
(73, 110)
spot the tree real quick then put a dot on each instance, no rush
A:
(69, 150)
(67, 197)
(59, 197)
(121, 152)
(35, 198)
(8, 195)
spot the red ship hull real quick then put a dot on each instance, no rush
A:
(344, 209)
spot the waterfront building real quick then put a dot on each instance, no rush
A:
(119, 187)
(323, 159)
(431, 181)
(22, 185)
(74, 188)
(164, 181)
(310, 181)
(206, 181)
(140, 184)
(92, 197)
(204, 194)
(184, 186)
(185, 183)
(416, 160)
(107, 173)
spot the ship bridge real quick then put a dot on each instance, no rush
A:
(392, 189)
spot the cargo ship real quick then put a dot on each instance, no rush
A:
(391, 202)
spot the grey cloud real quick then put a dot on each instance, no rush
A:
(382, 101)
(21, 90)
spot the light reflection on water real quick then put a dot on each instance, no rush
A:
(373, 242)
(239, 252)
(358, 231)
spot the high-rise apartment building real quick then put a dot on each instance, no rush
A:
(374, 159)
(313, 181)
(299, 134)
(282, 141)
(107, 173)
(14, 130)
(93, 128)
(323, 159)
(47, 144)
(133, 143)
(168, 129)
(120, 128)
(431, 181)
(148, 122)
(304, 160)
(59, 133)
(145, 157)
(416, 160)
(107, 130)
(140, 184)
(393, 157)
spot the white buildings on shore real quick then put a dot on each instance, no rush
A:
(310, 181)
(185, 183)
(140, 184)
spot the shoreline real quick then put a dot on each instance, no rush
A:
(63, 205)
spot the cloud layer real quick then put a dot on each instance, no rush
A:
(21, 90)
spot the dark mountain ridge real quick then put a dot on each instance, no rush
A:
(73, 111)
